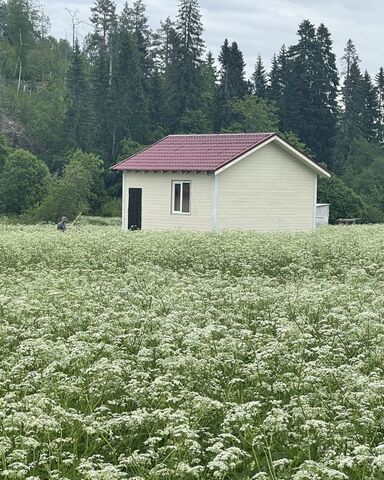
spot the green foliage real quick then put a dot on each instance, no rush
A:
(42, 113)
(278, 78)
(295, 141)
(232, 84)
(4, 150)
(364, 173)
(100, 47)
(130, 109)
(183, 73)
(24, 182)
(111, 207)
(371, 114)
(129, 82)
(208, 91)
(253, 114)
(362, 154)
(73, 192)
(310, 93)
(259, 78)
(232, 73)
(79, 122)
(351, 125)
(195, 121)
(345, 203)
(129, 147)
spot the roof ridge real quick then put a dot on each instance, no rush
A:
(220, 134)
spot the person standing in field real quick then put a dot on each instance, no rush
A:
(62, 224)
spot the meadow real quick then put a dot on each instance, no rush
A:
(232, 356)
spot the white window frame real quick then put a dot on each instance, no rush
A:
(181, 183)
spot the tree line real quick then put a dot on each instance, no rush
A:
(127, 85)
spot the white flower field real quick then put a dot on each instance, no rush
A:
(231, 356)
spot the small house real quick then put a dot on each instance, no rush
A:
(248, 181)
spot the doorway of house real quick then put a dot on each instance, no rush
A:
(134, 209)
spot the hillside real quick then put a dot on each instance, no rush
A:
(125, 85)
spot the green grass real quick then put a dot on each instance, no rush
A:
(187, 355)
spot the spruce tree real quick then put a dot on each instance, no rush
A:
(259, 78)
(349, 58)
(162, 44)
(371, 113)
(232, 83)
(326, 84)
(100, 46)
(311, 91)
(79, 121)
(209, 89)
(138, 24)
(156, 102)
(183, 75)
(130, 108)
(299, 94)
(353, 93)
(273, 91)
(351, 126)
(278, 79)
(232, 72)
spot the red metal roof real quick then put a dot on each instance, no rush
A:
(203, 153)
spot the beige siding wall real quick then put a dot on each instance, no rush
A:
(269, 190)
(156, 200)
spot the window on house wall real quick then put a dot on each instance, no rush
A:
(181, 197)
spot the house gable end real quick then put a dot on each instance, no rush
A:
(284, 145)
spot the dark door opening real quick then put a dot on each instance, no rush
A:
(134, 209)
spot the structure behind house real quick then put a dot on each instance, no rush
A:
(250, 181)
(322, 214)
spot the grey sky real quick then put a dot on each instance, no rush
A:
(259, 26)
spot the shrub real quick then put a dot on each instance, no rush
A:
(72, 193)
(24, 182)
(345, 203)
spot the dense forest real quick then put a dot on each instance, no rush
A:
(69, 111)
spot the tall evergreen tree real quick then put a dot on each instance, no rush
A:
(79, 124)
(371, 113)
(232, 72)
(273, 87)
(183, 76)
(130, 108)
(299, 93)
(232, 83)
(101, 43)
(351, 125)
(326, 91)
(20, 29)
(349, 58)
(311, 90)
(278, 79)
(353, 92)
(138, 23)
(162, 43)
(259, 78)
(209, 89)
(156, 105)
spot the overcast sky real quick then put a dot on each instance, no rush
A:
(258, 26)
